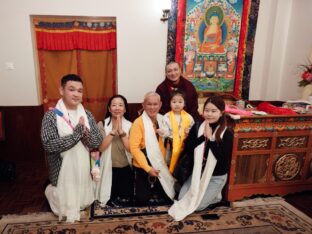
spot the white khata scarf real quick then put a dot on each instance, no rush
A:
(103, 188)
(191, 200)
(74, 186)
(156, 157)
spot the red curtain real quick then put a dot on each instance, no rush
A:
(84, 48)
(76, 35)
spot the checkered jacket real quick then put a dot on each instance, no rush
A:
(54, 145)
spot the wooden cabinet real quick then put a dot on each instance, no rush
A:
(271, 155)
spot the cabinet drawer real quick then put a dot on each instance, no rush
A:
(260, 143)
(284, 142)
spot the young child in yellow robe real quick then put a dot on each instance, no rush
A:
(175, 128)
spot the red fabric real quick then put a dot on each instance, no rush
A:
(241, 50)
(114, 88)
(271, 109)
(234, 110)
(70, 40)
(180, 31)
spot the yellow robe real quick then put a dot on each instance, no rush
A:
(177, 144)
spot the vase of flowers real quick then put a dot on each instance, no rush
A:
(306, 81)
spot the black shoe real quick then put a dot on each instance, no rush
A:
(125, 202)
(156, 202)
(115, 203)
(218, 204)
(152, 202)
(210, 216)
(160, 201)
(122, 202)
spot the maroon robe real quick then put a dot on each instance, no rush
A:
(191, 102)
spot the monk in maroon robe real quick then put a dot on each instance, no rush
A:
(174, 81)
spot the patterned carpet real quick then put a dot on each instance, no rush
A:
(108, 212)
(267, 215)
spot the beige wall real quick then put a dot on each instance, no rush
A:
(283, 40)
(141, 42)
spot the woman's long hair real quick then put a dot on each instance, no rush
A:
(220, 104)
(109, 115)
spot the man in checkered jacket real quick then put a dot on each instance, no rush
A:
(68, 133)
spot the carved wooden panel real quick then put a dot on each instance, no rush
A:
(254, 143)
(287, 167)
(271, 155)
(251, 169)
(291, 142)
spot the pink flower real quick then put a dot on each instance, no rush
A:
(306, 75)
(309, 78)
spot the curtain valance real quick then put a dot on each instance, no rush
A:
(94, 36)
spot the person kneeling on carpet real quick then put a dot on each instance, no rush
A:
(211, 147)
(154, 185)
(116, 185)
(67, 132)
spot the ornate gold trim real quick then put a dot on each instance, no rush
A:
(287, 167)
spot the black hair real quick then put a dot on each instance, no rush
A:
(177, 92)
(109, 115)
(220, 104)
(171, 62)
(70, 77)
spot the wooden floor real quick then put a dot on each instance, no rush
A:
(26, 193)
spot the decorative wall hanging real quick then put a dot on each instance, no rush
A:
(86, 47)
(214, 43)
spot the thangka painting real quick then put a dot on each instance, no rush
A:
(213, 42)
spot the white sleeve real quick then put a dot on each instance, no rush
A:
(192, 121)
(166, 127)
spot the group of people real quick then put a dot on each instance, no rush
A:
(138, 159)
